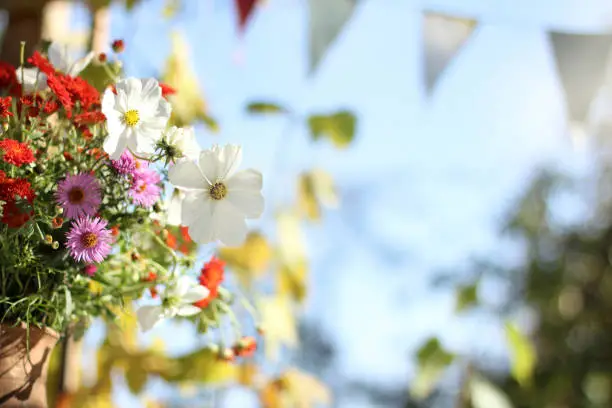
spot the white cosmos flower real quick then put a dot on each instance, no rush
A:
(61, 59)
(178, 300)
(218, 200)
(135, 117)
(183, 141)
(32, 79)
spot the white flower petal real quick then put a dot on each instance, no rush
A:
(208, 162)
(148, 316)
(59, 56)
(174, 207)
(115, 144)
(229, 225)
(249, 203)
(28, 77)
(245, 180)
(185, 174)
(182, 286)
(188, 310)
(195, 293)
(79, 65)
(228, 159)
(197, 214)
(190, 146)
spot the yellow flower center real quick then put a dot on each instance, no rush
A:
(131, 117)
(218, 191)
(89, 240)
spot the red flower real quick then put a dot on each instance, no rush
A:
(102, 57)
(16, 153)
(211, 277)
(5, 107)
(58, 85)
(115, 230)
(118, 46)
(12, 215)
(185, 234)
(41, 63)
(171, 240)
(246, 347)
(8, 78)
(82, 91)
(151, 277)
(57, 222)
(167, 90)
(89, 118)
(31, 104)
(50, 107)
(68, 156)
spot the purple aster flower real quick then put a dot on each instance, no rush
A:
(145, 190)
(79, 195)
(89, 241)
(126, 165)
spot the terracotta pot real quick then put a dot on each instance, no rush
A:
(23, 375)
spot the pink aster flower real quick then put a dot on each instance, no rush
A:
(145, 190)
(79, 195)
(126, 165)
(89, 240)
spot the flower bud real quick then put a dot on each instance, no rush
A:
(48, 239)
(118, 46)
(55, 245)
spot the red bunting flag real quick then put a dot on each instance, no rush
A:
(245, 9)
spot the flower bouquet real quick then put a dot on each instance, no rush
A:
(104, 202)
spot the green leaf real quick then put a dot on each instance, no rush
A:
(467, 296)
(135, 376)
(485, 395)
(338, 127)
(523, 354)
(265, 107)
(432, 361)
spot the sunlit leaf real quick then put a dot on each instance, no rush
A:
(297, 389)
(338, 127)
(171, 7)
(483, 394)
(293, 271)
(135, 376)
(279, 323)
(251, 259)
(201, 366)
(315, 189)
(432, 361)
(523, 354)
(188, 105)
(265, 108)
(467, 296)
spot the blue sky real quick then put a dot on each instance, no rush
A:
(428, 178)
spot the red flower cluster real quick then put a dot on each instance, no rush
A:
(5, 106)
(16, 153)
(89, 118)
(211, 277)
(8, 79)
(118, 46)
(9, 189)
(68, 90)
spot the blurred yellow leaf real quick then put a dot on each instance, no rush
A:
(171, 8)
(315, 189)
(188, 105)
(433, 360)
(293, 271)
(135, 375)
(523, 354)
(338, 127)
(295, 389)
(279, 324)
(249, 260)
(201, 366)
(247, 373)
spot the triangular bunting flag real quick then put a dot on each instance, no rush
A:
(581, 61)
(245, 9)
(327, 17)
(443, 37)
